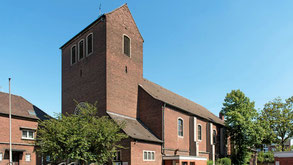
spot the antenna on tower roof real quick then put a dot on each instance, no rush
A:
(100, 9)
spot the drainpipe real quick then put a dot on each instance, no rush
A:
(163, 129)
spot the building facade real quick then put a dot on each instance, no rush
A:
(104, 63)
(24, 124)
(283, 158)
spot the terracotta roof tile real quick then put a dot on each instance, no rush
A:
(173, 99)
(20, 107)
(134, 128)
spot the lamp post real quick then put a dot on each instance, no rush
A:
(10, 147)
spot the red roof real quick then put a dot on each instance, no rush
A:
(20, 107)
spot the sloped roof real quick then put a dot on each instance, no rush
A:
(134, 128)
(173, 99)
(20, 107)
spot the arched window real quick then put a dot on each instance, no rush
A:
(81, 49)
(73, 54)
(126, 44)
(199, 132)
(180, 127)
(89, 44)
(214, 136)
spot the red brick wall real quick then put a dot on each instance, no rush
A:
(122, 87)
(284, 161)
(91, 86)
(172, 140)
(137, 153)
(17, 141)
(204, 135)
(150, 112)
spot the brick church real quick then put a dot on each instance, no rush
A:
(104, 63)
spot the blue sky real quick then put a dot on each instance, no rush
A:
(200, 49)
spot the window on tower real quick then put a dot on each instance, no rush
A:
(89, 44)
(126, 45)
(81, 49)
(73, 54)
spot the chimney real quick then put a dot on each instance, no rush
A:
(221, 116)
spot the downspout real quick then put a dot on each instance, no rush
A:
(163, 129)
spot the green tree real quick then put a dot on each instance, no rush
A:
(265, 157)
(243, 127)
(84, 137)
(277, 119)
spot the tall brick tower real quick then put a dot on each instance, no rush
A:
(104, 63)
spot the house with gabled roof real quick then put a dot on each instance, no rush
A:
(24, 124)
(104, 63)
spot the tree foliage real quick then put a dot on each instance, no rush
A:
(243, 127)
(223, 161)
(84, 137)
(265, 157)
(277, 119)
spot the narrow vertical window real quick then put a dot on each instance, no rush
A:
(126, 46)
(1, 156)
(199, 132)
(89, 44)
(80, 49)
(180, 127)
(214, 136)
(73, 55)
(145, 155)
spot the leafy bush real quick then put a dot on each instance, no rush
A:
(260, 157)
(210, 162)
(267, 157)
(225, 161)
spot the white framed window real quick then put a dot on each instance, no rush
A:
(199, 132)
(28, 134)
(126, 45)
(1, 156)
(27, 157)
(73, 54)
(81, 49)
(148, 155)
(180, 126)
(89, 44)
(117, 156)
